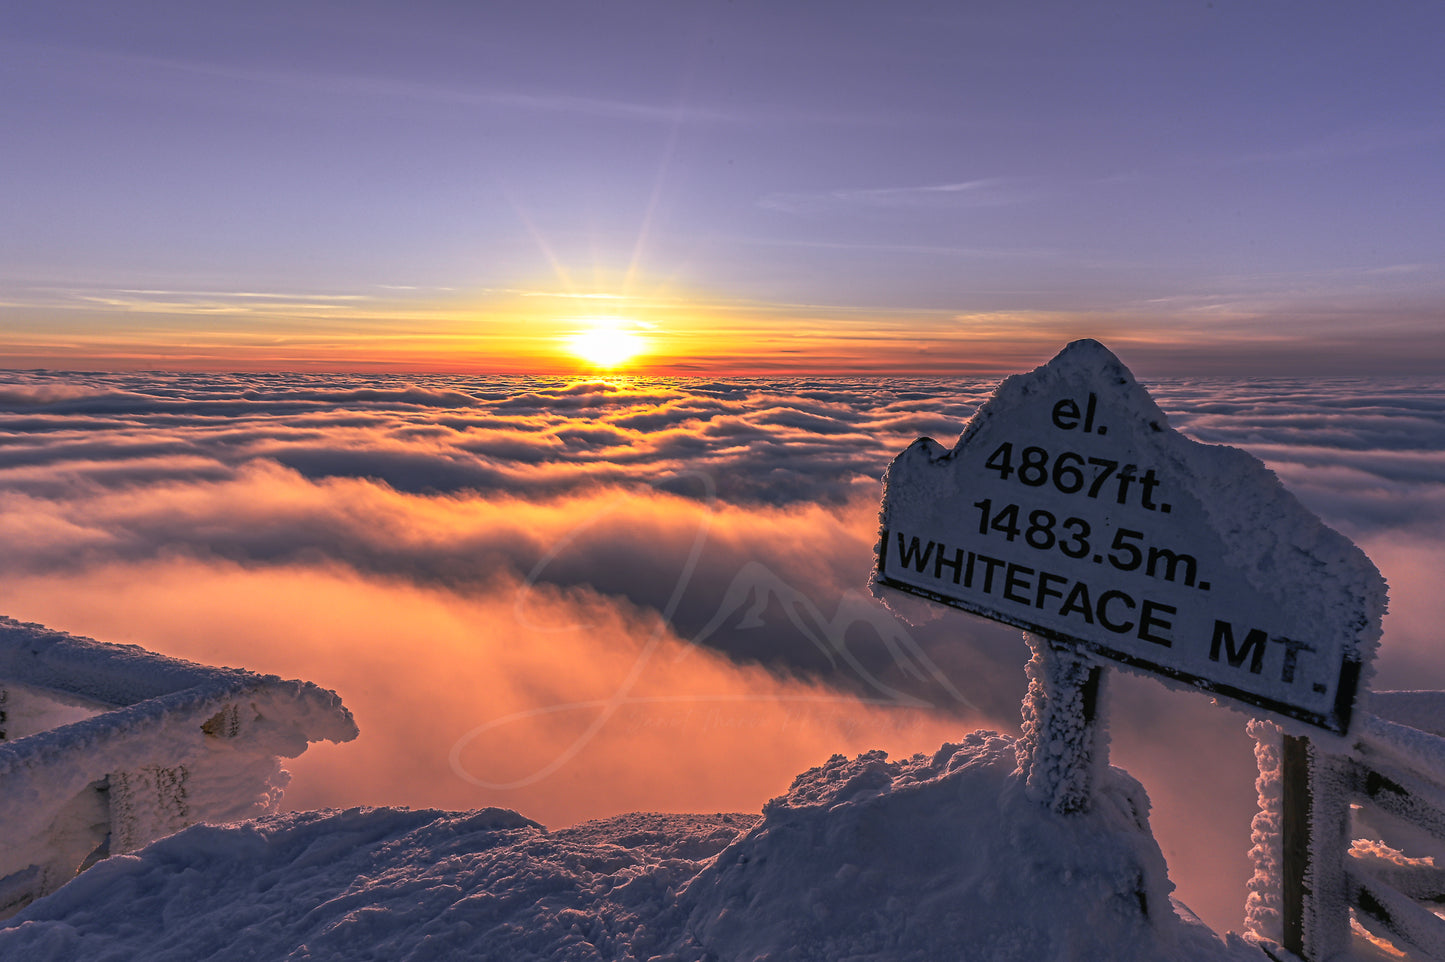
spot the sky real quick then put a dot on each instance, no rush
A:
(743, 188)
(575, 598)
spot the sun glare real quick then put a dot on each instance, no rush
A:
(607, 343)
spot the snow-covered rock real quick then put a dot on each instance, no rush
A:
(943, 857)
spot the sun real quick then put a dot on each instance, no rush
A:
(607, 343)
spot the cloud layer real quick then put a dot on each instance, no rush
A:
(577, 598)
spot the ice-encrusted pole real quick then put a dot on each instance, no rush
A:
(1065, 742)
(1299, 896)
(1315, 830)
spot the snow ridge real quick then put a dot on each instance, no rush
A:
(930, 858)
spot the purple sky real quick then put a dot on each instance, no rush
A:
(1184, 175)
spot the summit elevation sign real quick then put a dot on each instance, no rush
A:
(1070, 508)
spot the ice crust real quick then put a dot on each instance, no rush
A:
(106, 675)
(930, 858)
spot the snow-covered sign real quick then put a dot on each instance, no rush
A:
(1071, 509)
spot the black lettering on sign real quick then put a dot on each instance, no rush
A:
(910, 555)
(1067, 470)
(1045, 591)
(1016, 577)
(1118, 628)
(1173, 561)
(940, 562)
(1149, 620)
(1115, 610)
(1292, 649)
(989, 565)
(1078, 600)
(1126, 477)
(1066, 414)
(1253, 646)
(1150, 481)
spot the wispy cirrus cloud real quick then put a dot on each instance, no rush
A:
(882, 247)
(246, 295)
(984, 192)
(1345, 142)
(1402, 269)
(162, 301)
(377, 88)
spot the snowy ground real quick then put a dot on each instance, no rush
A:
(930, 858)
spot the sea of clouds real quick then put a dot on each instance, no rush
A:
(577, 598)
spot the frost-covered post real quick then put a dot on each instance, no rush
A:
(1300, 895)
(1315, 836)
(1064, 743)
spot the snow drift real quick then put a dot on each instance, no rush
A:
(930, 858)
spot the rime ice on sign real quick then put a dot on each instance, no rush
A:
(1071, 509)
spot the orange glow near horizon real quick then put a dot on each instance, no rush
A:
(660, 331)
(533, 326)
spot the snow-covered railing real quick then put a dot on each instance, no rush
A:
(1311, 869)
(104, 748)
